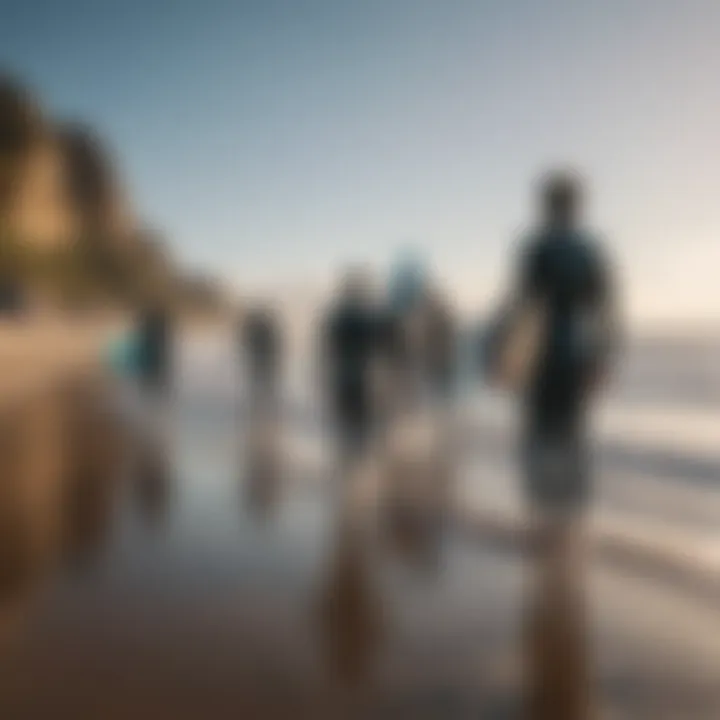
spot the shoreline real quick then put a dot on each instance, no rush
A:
(41, 354)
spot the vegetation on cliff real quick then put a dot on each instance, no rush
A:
(67, 231)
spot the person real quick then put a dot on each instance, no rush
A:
(260, 341)
(149, 360)
(262, 347)
(350, 349)
(564, 301)
(408, 282)
(154, 348)
(439, 346)
(565, 275)
(403, 339)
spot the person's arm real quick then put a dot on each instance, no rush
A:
(609, 323)
(523, 293)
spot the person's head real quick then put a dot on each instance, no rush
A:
(408, 280)
(356, 286)
(261, 309)
(561, 196)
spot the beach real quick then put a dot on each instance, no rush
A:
(171, 588)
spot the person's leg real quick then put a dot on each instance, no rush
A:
(344, 431)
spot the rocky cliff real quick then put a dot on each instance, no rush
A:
(65, 216)
(32, 185)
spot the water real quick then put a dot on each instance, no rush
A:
(175, 584)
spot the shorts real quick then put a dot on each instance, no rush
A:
(556, 471)
(352, 416)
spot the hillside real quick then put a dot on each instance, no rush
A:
(68, 230)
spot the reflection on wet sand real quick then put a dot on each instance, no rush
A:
(88, 505)
(33, 460)
(151, 481)
(350, 612)
(261, 464)
(415, 535)
(72, 518)
(213, 620)
(58, 453)
(262, 489)
(556, 628)
(79, 443)
(418, 477)
(152, 484)
(15, 559)
(97, 450)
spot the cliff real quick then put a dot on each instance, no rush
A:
(32, 185)
(93, 190)
(67, 226)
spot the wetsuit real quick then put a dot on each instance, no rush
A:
(154, 350)
(261, 341)
(566, 274)
(351, 337)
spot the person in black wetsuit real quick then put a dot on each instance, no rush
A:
(262, 348)
(351, 340)
(563, 274)
(260, 341)
(154, 348)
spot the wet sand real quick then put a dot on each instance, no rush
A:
(180, 581)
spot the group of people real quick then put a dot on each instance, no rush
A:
(551, 344)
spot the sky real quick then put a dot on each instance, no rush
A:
(274, 140)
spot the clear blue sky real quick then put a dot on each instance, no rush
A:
(283, 136)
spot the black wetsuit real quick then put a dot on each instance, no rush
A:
(155, 350)
(393, 344)
(261, 342)
(352, 338)
(567, 275)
